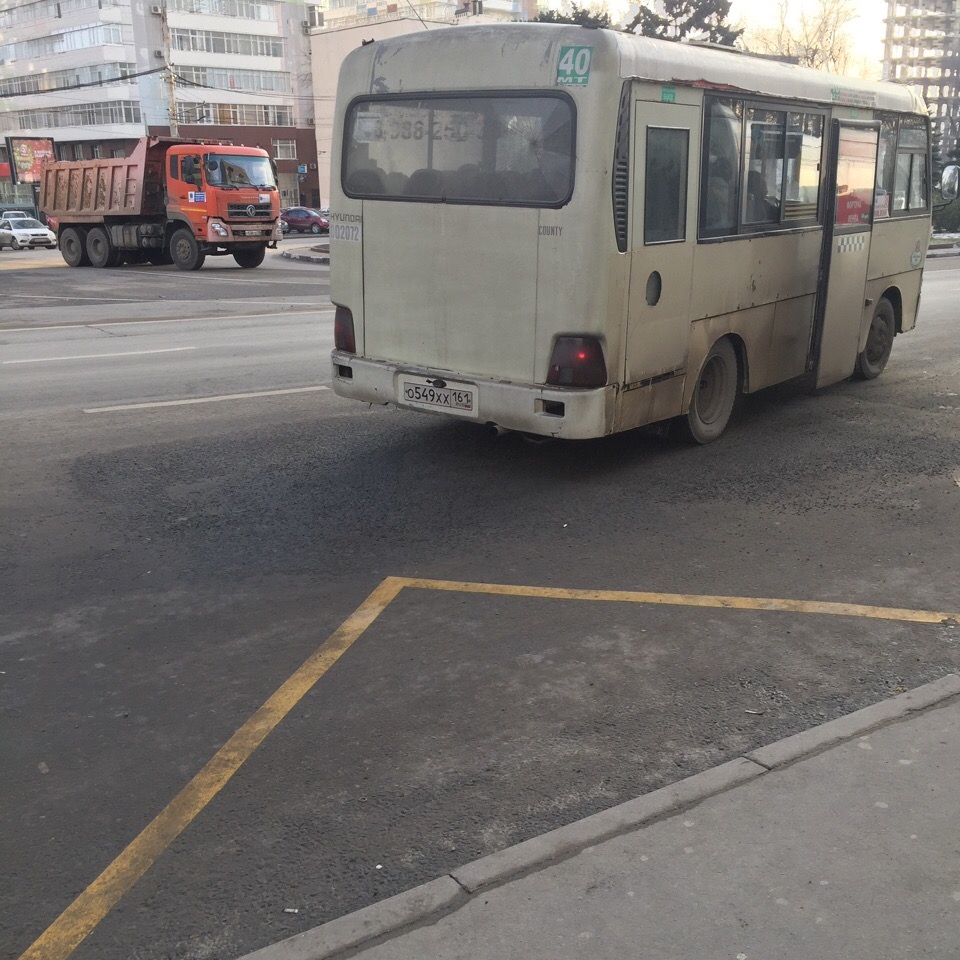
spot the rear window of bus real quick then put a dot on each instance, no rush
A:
(482, 149)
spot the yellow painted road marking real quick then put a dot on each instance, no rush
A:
(63, 936)
(688, 600)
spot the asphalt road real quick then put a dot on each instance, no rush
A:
(166, 566)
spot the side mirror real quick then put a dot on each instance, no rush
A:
(949, 182)
(212, 165)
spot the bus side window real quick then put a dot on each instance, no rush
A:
(721, 165)
(910, 187)
(886, 163)
(764, 149)
(801, 194)
(665, 185)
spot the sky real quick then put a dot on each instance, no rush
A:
(866, 31)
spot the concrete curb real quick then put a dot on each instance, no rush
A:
(845, 728)
(385, 917)
(430, 900)
(305, 257)
(564, 842)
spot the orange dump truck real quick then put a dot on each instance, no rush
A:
(170, 201)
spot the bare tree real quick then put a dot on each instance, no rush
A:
(818, 38)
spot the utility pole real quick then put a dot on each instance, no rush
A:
(171, 80)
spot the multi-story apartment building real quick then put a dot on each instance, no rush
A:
(94, 75)
(922, 47)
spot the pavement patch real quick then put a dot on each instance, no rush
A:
(83, 915)
(326, 941)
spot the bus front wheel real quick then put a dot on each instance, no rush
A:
(714, 394)
(874, 356)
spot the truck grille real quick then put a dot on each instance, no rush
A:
(247, 210)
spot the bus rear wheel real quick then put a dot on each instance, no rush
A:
(874, 356)
(73, 248)
(714, 394)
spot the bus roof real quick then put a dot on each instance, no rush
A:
(659, 61)
(692, 64)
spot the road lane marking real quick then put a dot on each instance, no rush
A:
(690, 600)
(192, 400)
(94, 324)
(101, 356)
(41, 296)
(65, 934)
(221, 276)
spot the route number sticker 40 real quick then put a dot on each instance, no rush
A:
(573, 67)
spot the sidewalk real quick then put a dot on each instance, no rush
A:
(840, 842)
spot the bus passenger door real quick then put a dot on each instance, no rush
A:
(846, 249)
(663, 235)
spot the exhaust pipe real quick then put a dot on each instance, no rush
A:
(494, 430)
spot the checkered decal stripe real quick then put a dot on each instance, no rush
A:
(851, 243)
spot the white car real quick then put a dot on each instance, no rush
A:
(25, 233)
(15, 215)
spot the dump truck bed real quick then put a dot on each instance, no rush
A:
(89, 190)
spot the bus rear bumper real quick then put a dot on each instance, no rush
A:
(564, 413)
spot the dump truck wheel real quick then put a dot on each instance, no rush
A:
(250, 258)
(185, 251)
(100, 251)
(73, 248)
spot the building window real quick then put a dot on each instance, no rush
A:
(252, 81)
(118, 153)
(237, 114)
(78, 151)
(97, 151)
(284, 149)
(214, 41)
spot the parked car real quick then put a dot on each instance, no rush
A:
(15, 215)
(304, 220)
(25, 233)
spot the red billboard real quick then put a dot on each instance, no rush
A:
(27, 157)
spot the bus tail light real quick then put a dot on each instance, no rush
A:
(343, 336)
(577, 362)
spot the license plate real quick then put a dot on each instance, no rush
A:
(458, 398)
